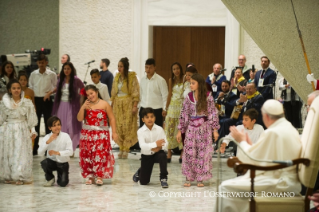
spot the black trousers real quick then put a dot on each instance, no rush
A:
(45, 108)
(147, 164)
(158, 115)
(62, 169)
(293, 113)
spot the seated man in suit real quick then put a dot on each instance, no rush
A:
(226, 99)
(225, 102)
(215, 79)
(252, 99)
(265, 78)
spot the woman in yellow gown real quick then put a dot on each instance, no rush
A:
(125, 97)
(28, 93)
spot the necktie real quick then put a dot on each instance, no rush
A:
(262, 74)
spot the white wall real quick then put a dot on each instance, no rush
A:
(96, 29)
(114, 29)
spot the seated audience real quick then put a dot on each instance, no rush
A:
(281, 141)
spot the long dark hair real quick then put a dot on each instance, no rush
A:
(4, 73)
(94, 88)
(126, 65)
(9, 85)
(181, 74)
(201, 105)
(62, 78)
(23, 73)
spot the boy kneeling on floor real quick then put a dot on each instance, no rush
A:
(59, 147)
(153, 142)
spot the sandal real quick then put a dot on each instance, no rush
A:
(120, 155)
(89, 181)
(124, 155)
(8, 182)
(200, 184)
(187, 183)
(19, 182)
(99, 182)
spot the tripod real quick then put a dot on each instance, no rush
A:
(86, 74)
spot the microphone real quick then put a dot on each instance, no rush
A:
(92, 61)
(283, 162)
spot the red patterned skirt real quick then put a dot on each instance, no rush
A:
(96, 157)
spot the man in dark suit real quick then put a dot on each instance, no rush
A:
(226, 99)
(267, 77)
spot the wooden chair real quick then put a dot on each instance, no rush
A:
(306, 167)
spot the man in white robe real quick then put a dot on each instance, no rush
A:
(281, 141)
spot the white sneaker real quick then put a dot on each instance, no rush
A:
(49, 183)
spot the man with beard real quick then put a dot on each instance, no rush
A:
(265, 78)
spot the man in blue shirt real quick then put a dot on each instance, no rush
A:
(106, 75)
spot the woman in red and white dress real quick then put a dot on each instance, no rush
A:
(96, 157)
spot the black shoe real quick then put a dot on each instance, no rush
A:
(180, 160)
(136, 178)
(164, 183)
(169, 160)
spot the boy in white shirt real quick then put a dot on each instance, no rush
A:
(153, 142)
(250, 127)
(59, 147)
(103, 90)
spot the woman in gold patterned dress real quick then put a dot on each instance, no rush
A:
(125, 96)
(174, 105)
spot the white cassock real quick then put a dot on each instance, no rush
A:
(281, 141)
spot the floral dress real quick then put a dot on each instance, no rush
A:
(17, 122)
(172, 118)
(198, 128)
(124, 94)
(96, 157)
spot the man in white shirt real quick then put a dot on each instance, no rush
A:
(153, 92)
(152, 141)
(43, 82)
(59, 147)
(103, 90)
(281, 141)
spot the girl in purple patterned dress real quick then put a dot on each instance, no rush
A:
(199, 120)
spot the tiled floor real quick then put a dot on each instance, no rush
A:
(117, 194)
